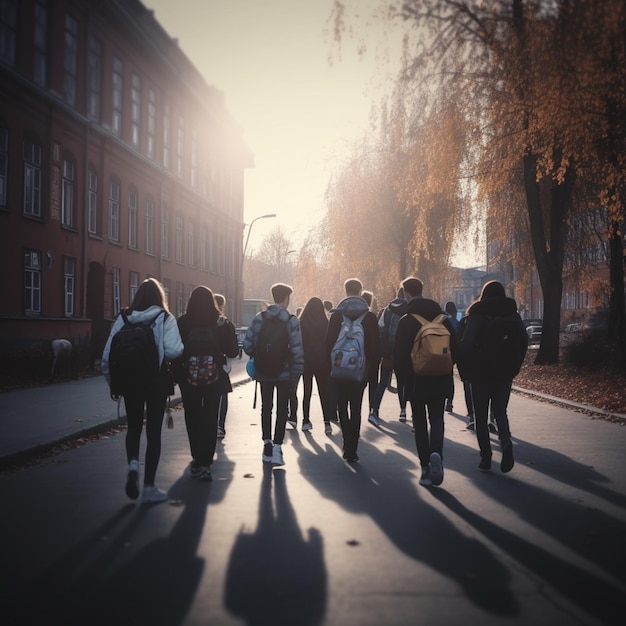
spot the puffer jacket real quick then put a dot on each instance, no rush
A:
(295, 366)
(166, 335)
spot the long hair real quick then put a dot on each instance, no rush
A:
(201, 308)
(149, 293)
(313, 312)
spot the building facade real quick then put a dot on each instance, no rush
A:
(118, 162)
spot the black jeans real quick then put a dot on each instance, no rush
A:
(322, 378)
(154, 403)
(496, 392)
(202, 406)
(427, 412)
(283, 394)
(385, 379)
(349, 401)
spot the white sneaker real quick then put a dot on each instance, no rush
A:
(277, 457)
(328, 429)
(292, 423)
(268, 451)
(307, 426)
(372, 419)
(436, 468)
(152, 495)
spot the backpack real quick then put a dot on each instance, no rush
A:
(347, 357)
(201, 363)
(499, 353)
(133, 357)
(388, 328)
(271, 352)
(430, 354)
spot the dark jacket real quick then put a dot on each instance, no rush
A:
(426, 387)
(473, 326)
(395, 307)
(227, 340)
(313, 340)
(353, 307)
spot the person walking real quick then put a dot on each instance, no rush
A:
(372, 373)
(493, 348)
(274, 341)
(201, 376)
(220, 301)
(426, 393)
(314, 325)
(147, 311)
(451, 310)
(388, 327)
(350, 312)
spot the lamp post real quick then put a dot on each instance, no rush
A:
(243, 256)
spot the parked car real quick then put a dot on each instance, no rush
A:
(241, 333)
(534, 333)
(573, 328)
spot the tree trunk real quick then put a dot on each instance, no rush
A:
(617, 303)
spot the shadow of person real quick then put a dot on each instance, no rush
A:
(274, 575)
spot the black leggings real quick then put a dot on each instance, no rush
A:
(154, 403)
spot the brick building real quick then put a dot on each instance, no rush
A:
(117, 162)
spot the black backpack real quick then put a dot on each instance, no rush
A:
(134, 357)
(500, 353)
(272, 347)
(202, 357)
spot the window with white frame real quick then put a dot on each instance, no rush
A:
(32, 282)
(165, 233)
(4, 165)
(166, 137)
(70, 60)
(150, 226)
(115, 277)
(114, 211)
(132, 218)
(67, 194)
(190, 246)
(69, 282)
(133, 284)
(135, 109)
(118, 84)
(40, 43)
(151, 123)
(180, 147)
(94, 78)
(8, 31)
(32, 178)
(92, 202)
(179, 238)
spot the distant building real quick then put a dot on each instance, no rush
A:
(117, 162)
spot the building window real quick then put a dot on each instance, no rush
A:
(133, 284)
(132, 219)
(180, 298)
(149, 226)
(194, 158)
(118, 82)
(180, 147)
(32, 282)
(190, 246)
(94, 78)
(69, 282)
(179, 239)
(32, 179)
(166, 137)
(151, 123)
(40, 51)
(67, 194)
(4, 165)
(115, 274)
(135, 109)
(114, 212)
(165, 233)
(203, 249)
(70, 60)
(8, 28)
(92, 191)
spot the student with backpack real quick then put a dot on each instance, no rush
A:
(423, 356)
(387, 329)
(143, 338)
(493, 348)
(220, 301)
(201, 376)
(352, 349)
(275, 342)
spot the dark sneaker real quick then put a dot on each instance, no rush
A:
(425, 479)
(268, 451)
(471, 425)
(449, 407)
(195, 469)
(132, 480)
(307, 426)
(328, 429)
(485, 465)
(507, 462)
(492, 428)
(403, 416)
(205, 474)
(436, 468)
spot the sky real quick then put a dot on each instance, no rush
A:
(299, 113)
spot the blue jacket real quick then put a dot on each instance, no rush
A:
(295, 366)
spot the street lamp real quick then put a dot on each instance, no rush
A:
(243, 256)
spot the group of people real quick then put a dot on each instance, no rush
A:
(488, 346)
